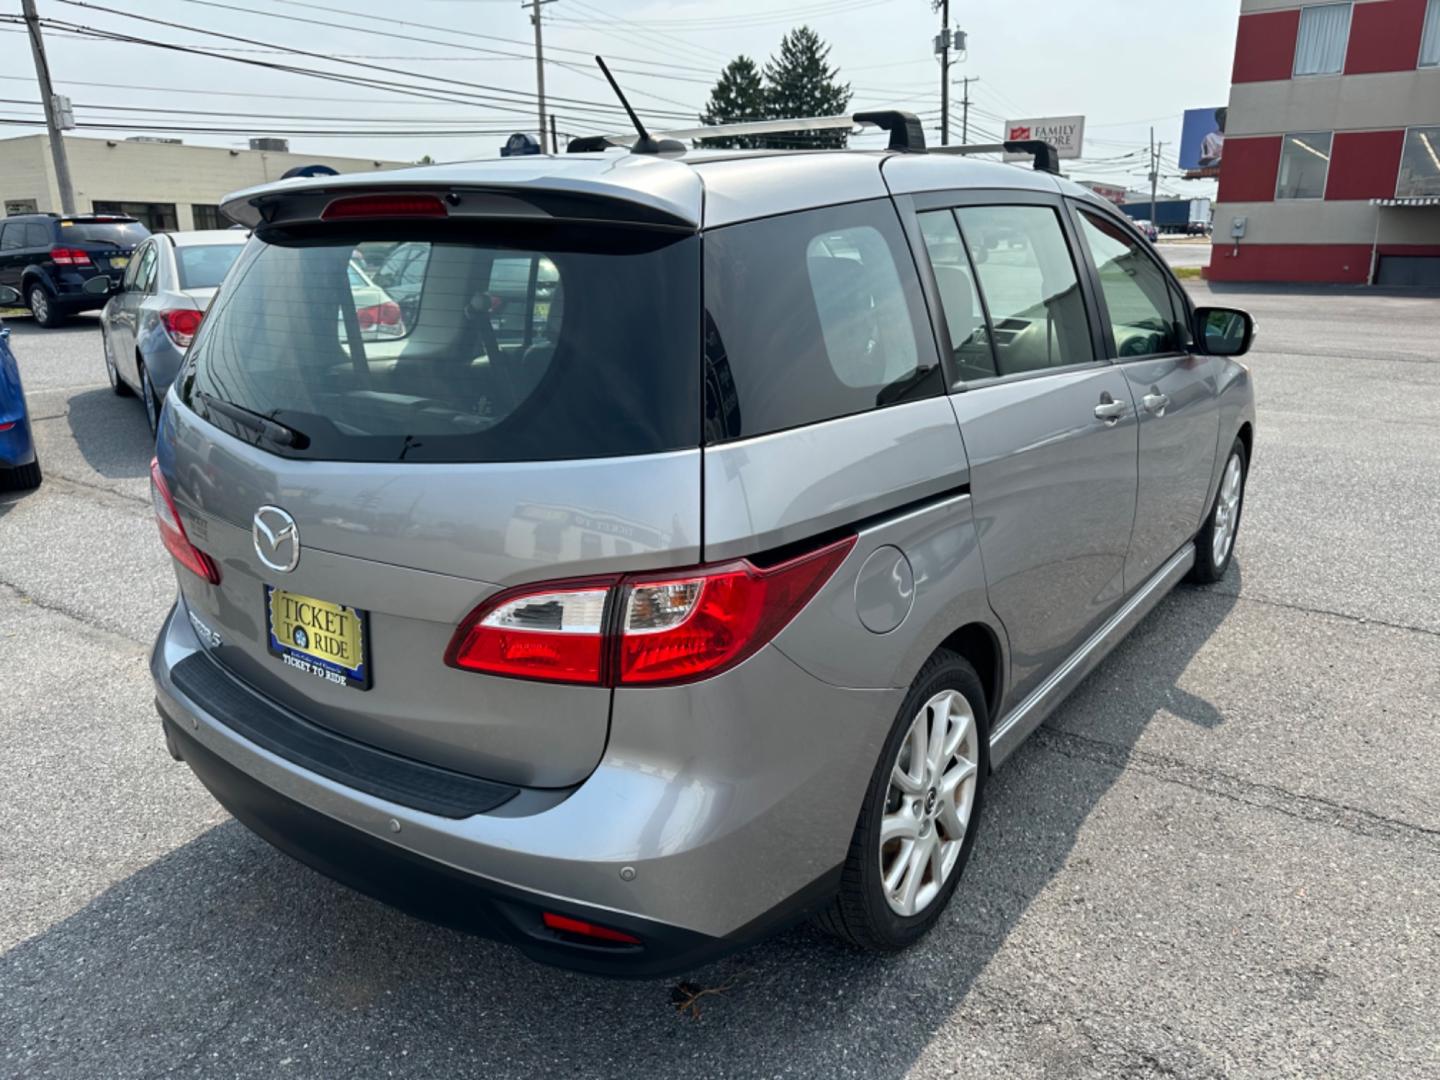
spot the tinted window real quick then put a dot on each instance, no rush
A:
(1136, 290)
(121, 234)
(146, 275)
(1304, 164)
(13, 236)
(1028, 280)
(38, 235)
(615, 371)
(812, 316)
(204, 266)
(960, 299)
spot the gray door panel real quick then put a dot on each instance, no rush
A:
(1176, 400)
(1053, 494)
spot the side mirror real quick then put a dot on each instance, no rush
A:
(98, 285)
(9, 297)
(1224, 331)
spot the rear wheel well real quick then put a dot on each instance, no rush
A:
(976, 642)
(1246, 435)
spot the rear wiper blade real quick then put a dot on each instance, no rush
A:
(271, 429)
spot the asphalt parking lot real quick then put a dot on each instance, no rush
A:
(1219, 858)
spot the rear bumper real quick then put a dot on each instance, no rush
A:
(695, 856)
(17, 446)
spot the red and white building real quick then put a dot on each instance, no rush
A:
(1331, 166)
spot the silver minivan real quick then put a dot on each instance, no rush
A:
(709, 530)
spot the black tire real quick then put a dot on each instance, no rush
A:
(117, 385)
(860, 913)
(147, 393)
(43, 307)
(24, 478)
(1211, 565)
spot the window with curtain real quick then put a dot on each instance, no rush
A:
(1430, 38)
(1420, 164)
(1324, 33)
(1304, 164)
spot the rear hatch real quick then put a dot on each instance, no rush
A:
(109, 242)
(531, 413)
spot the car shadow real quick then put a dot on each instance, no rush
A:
(111, 433)
(225, 956)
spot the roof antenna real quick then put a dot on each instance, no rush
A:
(645, 144)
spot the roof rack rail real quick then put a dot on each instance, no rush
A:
(906, 131)
(1046, 156)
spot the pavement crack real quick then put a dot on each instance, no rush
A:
(1311, 808)
(1365, 620)
(69, 613)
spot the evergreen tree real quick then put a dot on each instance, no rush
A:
(737, 97)
(800, 82)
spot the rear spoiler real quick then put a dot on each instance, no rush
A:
(666, 196)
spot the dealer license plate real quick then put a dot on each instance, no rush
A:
(119, 262)
(318, 637)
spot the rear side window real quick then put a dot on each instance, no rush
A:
(1028, 279)
(12, 236)
(960, 299)
(205, 266)
(473, 359)
(809, 317)
(38, 235)
(120, 233)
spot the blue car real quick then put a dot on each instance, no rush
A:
(19, 466)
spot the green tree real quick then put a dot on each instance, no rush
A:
(426, 160)
(800, 82)
(737, 97)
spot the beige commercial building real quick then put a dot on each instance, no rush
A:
(166, 185)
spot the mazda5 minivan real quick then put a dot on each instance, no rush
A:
(718, 523)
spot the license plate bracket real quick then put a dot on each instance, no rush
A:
(320, 638)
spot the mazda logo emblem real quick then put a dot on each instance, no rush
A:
(277, 540)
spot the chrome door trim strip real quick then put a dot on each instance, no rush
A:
(1030, 713)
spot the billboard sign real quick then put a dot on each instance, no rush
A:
(1066, 133)
(1202, 138)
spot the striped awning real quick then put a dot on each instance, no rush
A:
(1418, 200)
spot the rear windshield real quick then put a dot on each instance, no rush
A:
(509, 345)
(204, 266)
(120, 233)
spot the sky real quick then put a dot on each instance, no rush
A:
(463, 71)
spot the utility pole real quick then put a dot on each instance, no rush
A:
(944, 72)
(554, 138)
(534, 6)
(965, 109)
(52, 120)
(1154, 176)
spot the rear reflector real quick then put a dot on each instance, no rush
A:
(648, 629)
(172, 533)
(581, 928)
(181, 325)
(384, 206)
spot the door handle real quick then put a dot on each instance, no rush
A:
(1156, 403)
(1110, 411)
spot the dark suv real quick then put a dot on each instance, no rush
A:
(48, 258)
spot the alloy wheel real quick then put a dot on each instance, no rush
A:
(928, 803)
(39, 304)
(1227, 510)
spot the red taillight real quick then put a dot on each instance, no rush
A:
(553, 632)
(8, 426)
(579, 927)
(376, 316)
(63, 256)
(173, 533)
(678, 628)
(182, 324)
(646, 629)
(392, 206)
